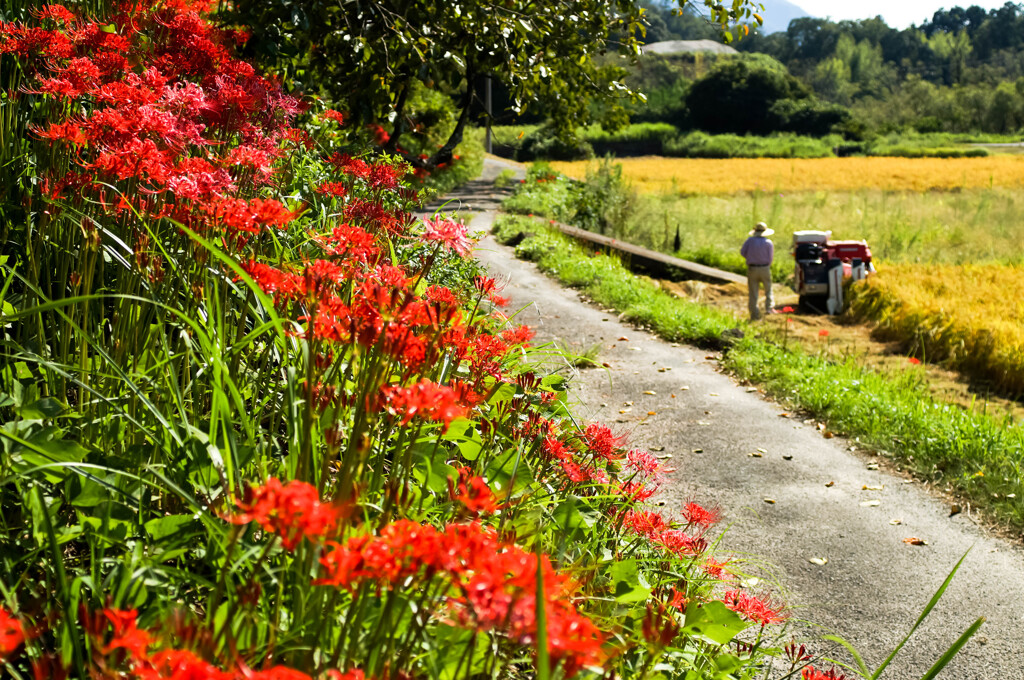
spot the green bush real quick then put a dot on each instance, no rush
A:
(703, 145)
(603, 201)
(544, 144)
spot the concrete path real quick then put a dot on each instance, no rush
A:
(789, 495)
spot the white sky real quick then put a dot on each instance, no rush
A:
(897, 13)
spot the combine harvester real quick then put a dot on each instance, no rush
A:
(821, 266)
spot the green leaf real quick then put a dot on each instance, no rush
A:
(629, 584)
(952, 651)
(927, 610)
(713, 622)
(47, 407)
(170, 526)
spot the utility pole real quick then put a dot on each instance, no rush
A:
(487, 106)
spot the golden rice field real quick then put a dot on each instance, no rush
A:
(970, 317)
(660, 175)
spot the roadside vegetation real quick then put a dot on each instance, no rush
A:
(971, 455)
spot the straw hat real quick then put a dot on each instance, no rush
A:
(761, 229)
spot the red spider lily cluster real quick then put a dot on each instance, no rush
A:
(167, 144)
(760, 610)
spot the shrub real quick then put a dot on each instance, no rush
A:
(544, 144)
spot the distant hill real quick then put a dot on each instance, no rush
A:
(777, 15)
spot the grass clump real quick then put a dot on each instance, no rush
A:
(971, 454)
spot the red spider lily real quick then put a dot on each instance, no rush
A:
(12, 634)
(914, 360)
(292, 511)
(354, 167)
(493, 584)
(126, 633)
(448, 234)
(680, 543)
(601, 442)
(473, 492)
(384, 177)
(811, 673)
(796, 654)
(678, 599)
(336, 116)
(755, 609)
(644, 523)
(660, 626)
(335, 189)
(698, 515)
(520, 335)
(716, 569)
(425, 399)
(823, 333)
(788, 310)
(353, 243)
(645, 466)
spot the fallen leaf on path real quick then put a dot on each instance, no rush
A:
(827, 435)
(820, 561)
(657, 448)
(914, 540)
(877, 487)
(703, 422)
(870, 504)
(672, 395)
(784, 414)
(769, 501)
(756, 454)
(685, 387)
(652, 413)
(698, 450)
(623, 339)
(830, 485)
(635, 349)
(651, 392)
(787, 456)
(821, 426)
(895, 522)
(625, 410)
(955, 510)
(710, 356)
(606, 364)
(627, 403)
(712, 394)
(872, 466)
(762, 450)
(751, 389)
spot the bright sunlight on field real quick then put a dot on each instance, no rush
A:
(654, 174)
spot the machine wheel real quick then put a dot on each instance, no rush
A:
(814, 304)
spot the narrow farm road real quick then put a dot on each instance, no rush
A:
(788, 495)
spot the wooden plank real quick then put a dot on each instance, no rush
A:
(700, 271)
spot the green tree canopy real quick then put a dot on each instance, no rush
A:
(738, 94)
(366, 54)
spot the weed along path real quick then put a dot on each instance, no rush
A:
(810, 516)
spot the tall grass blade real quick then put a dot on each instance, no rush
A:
(924, 614)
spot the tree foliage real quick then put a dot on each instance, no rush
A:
(367, 54)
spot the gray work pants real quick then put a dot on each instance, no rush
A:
(760, 276)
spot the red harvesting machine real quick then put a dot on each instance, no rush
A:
(821, 266)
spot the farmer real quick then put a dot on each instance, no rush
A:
(759, 252)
